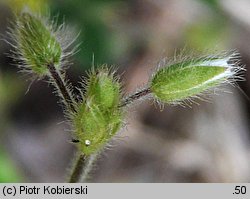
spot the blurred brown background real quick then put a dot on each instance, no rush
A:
(209, 142)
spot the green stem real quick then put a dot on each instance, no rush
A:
(82, 168)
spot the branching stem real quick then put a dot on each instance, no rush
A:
(84, 163)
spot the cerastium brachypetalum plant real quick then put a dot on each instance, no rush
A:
(42, 48)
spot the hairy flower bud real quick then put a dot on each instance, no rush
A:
(38, 43)
(105, 88)
(98, 117)
(189, 78)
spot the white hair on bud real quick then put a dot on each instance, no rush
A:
(230, 60)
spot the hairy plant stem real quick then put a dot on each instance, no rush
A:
(82, 168)
(83, 163)
(78, 167)
(61, 85)
(135, 96)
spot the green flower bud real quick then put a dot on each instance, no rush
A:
(105, 88)
(189, 78)
(38, 43)
(98, 117)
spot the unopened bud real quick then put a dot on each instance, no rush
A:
(188, 78)
(98, 118)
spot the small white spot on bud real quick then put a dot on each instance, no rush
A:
(87, 142)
